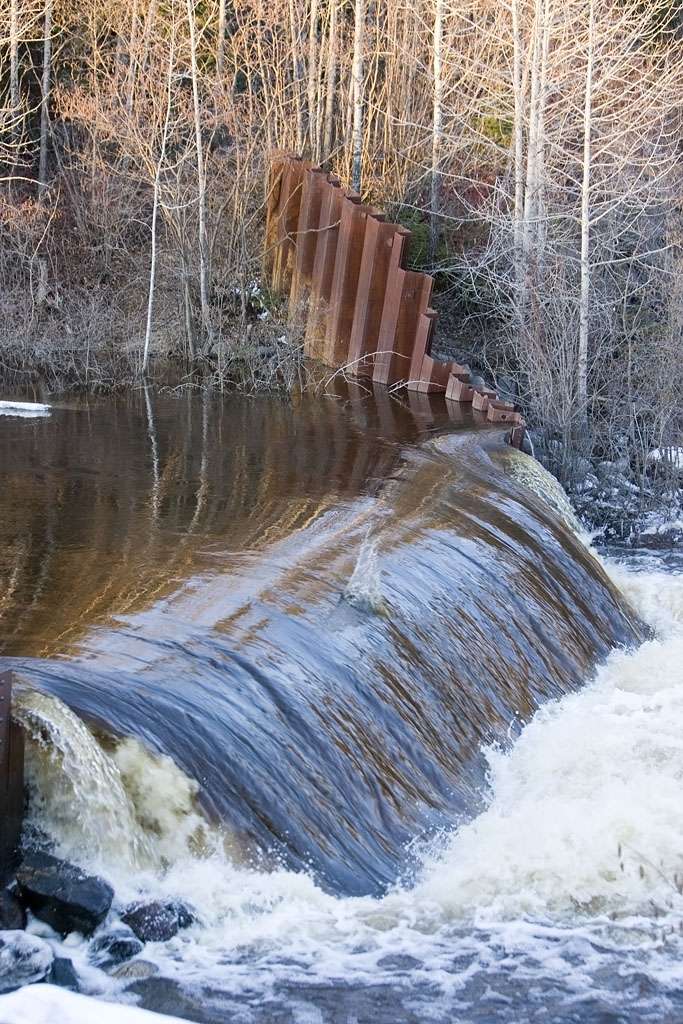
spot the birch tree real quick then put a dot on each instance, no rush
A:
(313, 77)
(204, 253)
(46, 80)
(585, 297)
(330, 80)
(155, 209)
(357, 94)
(437, 129)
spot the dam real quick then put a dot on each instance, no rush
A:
(308, 641)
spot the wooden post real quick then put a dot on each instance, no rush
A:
(11, 781)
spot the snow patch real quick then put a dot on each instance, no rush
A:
(670, 456)
(45, 1004)
(25, 409)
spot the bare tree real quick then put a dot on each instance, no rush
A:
(155, 208)
(204, 253)
(45, 99)
(331, 80)
(437, 129)
(357, 93)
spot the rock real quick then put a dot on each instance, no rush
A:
(115, 946)
(151, 922)
(134, 970)
(63, 895)
(399, 962)
(507, 388)
(12, 913)
(24, 959)
(185, 914)
(164, 995)
(63, 974)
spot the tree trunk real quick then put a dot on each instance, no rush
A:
(132, 59)
(220, 49)
(188, 304)
(14, 64)
(44, 100)
(155, 211)
(313, 127)
(297, 75)
(532, 156)
(518, 163)
(357, 79)
(204, 255)
(437, 130)
(584, 305)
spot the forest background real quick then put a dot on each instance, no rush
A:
(533, 147)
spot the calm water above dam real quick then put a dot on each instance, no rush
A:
(330, 657)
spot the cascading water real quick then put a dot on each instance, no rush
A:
(387, 797)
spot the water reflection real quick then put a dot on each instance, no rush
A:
(105, 505)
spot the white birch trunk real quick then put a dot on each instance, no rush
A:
(155, 211)
(518, 163)
(541, 198)
(297, 75)
(220, 49)
(132, 59)
(14, 64)
(44, 100)
(313, 128)
(357, 79)
(532, 171)
(204, 256)
(437, 130)
(584, 304)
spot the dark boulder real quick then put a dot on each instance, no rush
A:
(63, 973)
(12, 913)
(183, 911)
(151, 922)
(63, 895)
(24, 959)
(115, 946)
(164, 995)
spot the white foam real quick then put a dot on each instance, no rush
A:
(585, 814)
(582, 837)
(120, 810)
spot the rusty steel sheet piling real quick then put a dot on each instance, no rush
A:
(11, 781)
(384, 247)
(345, 280)
(363, 310)
(314, 188)
(323, 267)
(407, 297)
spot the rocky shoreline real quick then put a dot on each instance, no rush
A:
(68, 899)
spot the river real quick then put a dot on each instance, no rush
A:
(357, 693)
